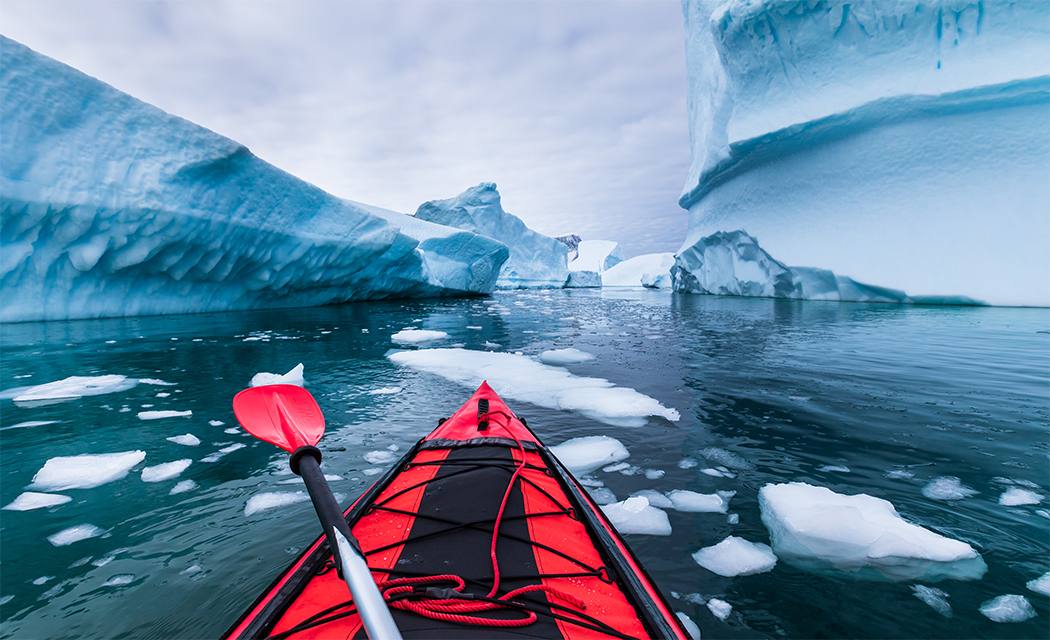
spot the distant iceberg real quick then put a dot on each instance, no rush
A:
(535, 260)
(112, 207)
(899, 143)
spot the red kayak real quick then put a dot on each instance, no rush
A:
(477, 532)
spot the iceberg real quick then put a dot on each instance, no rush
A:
(596, 256)
(535, 260)
(112, 207)
(887, 141)
(651, 270)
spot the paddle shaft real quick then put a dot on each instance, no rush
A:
(371, 606)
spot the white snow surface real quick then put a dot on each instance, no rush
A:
(186, 440)
(74, 534)
(585, 454)
(416, 336)
(165, 471)
(561, 357)
(735, 556)
(1015, 496)
(816, 528)
(1008, 608)
(271, 500)
(691, 501)
(1040, 584)
(74, 387)
(160, 415)
(85, 471)
(159, 215)
(294, 376)
(651, 270)
(596, 256)
(29, 500)
(522, 378)
(636, 516)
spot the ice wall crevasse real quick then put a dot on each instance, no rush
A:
(890, 141)
(535, 260)
(112, 207)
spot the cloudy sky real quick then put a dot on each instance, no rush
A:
(575, 109)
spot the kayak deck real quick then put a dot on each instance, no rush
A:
(563, 572)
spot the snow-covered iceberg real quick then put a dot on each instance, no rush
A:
(890, 141)
(535, 260)
(651, 270)
(110, 207)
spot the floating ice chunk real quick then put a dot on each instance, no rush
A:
(726, 458)
(294, 376)
(1043, 512)
(192, 569)
(560, 357)
(733, 518)
(834, 468)
(584, 455)
(28, 424)
(231, 431)
(385, 391)
(590, 481)
(688, 463)
(1015, 496)
(186, 439)
(373, 471)
(936, 598)
(417, 336)
(1008, 608)
(1040, 584)
(899, 474)
(816, 528)
(719, 608)
(654, 474)
(161, 394)
(5, 599)
(85, 471)
(42, 580)
(630, 470)
(182, 486)
(156, 382)
(655, 498)
(74, 534)
(602, 495)
(379, 457)
(735, 556)
(619, 466)
(524, 379)
(160, 415)
(165, 471)
(266, 501)
(299, 481)
(947, 488)
(216, 423)
(218, 455)
(691, 501)
(689, 625)
(718, 473)
(75, 387)
(119, 580)
(636, 516)
(30, 500)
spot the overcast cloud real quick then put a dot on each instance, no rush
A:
(575, 109)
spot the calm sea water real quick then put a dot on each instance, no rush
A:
(788, 387)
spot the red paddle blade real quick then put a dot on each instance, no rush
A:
(281, 414)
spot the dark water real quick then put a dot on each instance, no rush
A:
(786, 386)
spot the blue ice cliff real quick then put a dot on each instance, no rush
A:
(535, 260)
(900, 142)
(111, 207)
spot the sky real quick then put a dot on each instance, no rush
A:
(576, 110)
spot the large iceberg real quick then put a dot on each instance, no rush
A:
(110, 206)
(535, 260)
(897, 142)
(651, 270)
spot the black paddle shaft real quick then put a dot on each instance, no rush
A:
(306, 462)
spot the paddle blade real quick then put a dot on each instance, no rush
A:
(281, 414)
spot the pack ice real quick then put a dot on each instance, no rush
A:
(535, 260)
(887, 141)
(110, 206)
(817, 529)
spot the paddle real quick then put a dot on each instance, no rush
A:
(288, 416)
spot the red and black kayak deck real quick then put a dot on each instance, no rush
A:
(433, 514)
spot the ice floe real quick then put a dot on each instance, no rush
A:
(834, 468)
(522, 378)
(42, 580)
(899, 474)
(654, 497)
(689, 625)
(1008, 608)
(294, 376)
(735, 556)
(266, 501)
(165, 471)
(602, 495)
(216, 423)
(935, 598)
(182, 486)
(75, 387)
(559, 357)
(160, 415)
(379, 457)
(417, 336)
(688, 463)
(619, 466)
(28, 424)
(654, 474)
(947, 488)
(186, 439)
(1015, 496)
(85, 471)
(584, 455)
(156, 382)
(385, 391)
(1040, 584)
(218, 455)
(719, 608)
(720, 472)
(816, 528)
(726, 458)
(74, 534)
(29, 500)
(691, 501)
(636, 516)
(119, 580)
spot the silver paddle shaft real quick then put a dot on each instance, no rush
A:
(371, 606)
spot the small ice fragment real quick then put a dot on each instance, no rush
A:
(1008, 608)
(372, 471)
(630, 470)
(295, 376)
(488, 344)
(687, 463)
(379, 457)
(834, 468)
(718, 473)
(655, 498)
(727, 458)
(42, 580)
(619, 466)
(733, 518)
(935, 598)
(165, 471)
(385, 391)
(602, 495)
(584, 455)
(899, 474)
(182, 486)
(216, 456)
(735, 556)
(216, 423)
(119, 580)
(74, 534)
(5, 599)
(266, 501)
(691, 501)
(590, 481)
(29, 424)
(161, 394)
(654, 474)
(416, 336)
(75, 387)
(190, 570)
(392, 447)
(1015, 496)
(1040, 584)
(1043, 512)
(158, 415)
(81, 562)
(231, 431)
(103, 561)
(689, 625)
(636, 516)
(156, 382)
(719, 608)
(947, 488)
(560, 357)
(30, 500)
(85, 471)
(186, 439)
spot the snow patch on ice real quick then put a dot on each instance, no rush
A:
(636, 516)
(165, 471)
(29, 500)
(74, 534)
(294, 376)
(584, 455)
(85, 471)
(735, 556)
